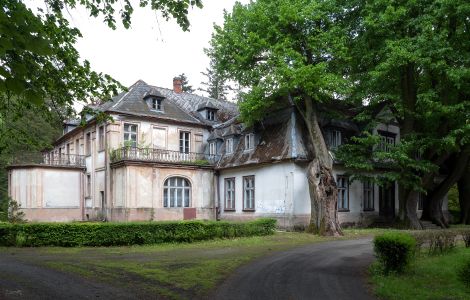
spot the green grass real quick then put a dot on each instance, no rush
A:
(176, 271)
(429, 277)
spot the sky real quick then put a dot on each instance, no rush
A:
(153, 49)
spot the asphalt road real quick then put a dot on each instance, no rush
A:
(332, 270)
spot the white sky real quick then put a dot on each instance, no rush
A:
(153, 49)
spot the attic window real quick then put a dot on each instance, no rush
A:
(156, 104)
(249, 141)
(210, 115)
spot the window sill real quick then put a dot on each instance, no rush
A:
(369, 210)
(343, 210)
(230, 209)
(248, 210)
(102, 150)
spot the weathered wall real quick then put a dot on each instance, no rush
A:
(138, 192)
(47, 194)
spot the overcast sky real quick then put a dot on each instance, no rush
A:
(153, 49)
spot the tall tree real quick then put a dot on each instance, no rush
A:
(464, 196)
(215, 85)
(288, 48)
(414, 55)
(186, 87)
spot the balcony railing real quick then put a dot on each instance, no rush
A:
(160, 155)
(49, 159)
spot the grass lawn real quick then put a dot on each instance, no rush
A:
(429, 277)
(178, 271)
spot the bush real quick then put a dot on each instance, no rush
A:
(438, 241)
(394, 250)
(118, 234)
(464, 273)
(465, 233)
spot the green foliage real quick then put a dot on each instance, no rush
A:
(464, 273)
(453, 197)
(185, 83)
(438, 241)
(15, 215)
(394, 250)
(116, 234)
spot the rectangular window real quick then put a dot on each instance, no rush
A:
(212, 148)
(184, 141)
(88, 185)
(334, 138)
(156, 104)
(229, 146)
(387, 141)
(77, 147)
(249, 193)
(343, 193)
(88, 143)
(210, 115)
(229, 193)
(130, 135)
(368, 195)
(101, 138)
(249, 141)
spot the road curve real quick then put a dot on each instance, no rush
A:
(331, 270)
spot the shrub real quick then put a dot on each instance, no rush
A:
(437, 241)
(464, 273)
(117, 234)
(465, 233)
(394, 250)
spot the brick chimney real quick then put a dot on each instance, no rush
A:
(177, 85)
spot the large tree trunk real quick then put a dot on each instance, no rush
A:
(322, 185)
(411, 205)
(434, 206)
(464, 196)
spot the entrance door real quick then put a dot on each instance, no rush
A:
(387, 201)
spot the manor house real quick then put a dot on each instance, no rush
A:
(163, 154)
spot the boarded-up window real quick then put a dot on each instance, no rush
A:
(159, 138)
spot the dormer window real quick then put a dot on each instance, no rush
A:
(334, 138)
(249, 141)
(156, 104)
(229, 146)
(212, 148)
(210, 115)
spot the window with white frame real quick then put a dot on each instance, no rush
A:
(210, 115)
(101, 143)
(185, 141)
(343, 193)
(387, 141)
(130, 135)
(368, 195)
(176, 192)
(334, 138)
(249, 193)
(156, 104)
(249, 141)
(229, 193)
(212, 148)
(229, 146)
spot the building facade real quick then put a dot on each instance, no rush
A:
(163, 154)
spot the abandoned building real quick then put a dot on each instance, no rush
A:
(163, 154)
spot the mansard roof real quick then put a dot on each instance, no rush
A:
(176, 106)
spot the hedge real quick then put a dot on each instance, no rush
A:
(394, 250)
(119, 234)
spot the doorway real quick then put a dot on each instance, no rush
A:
(387, 201)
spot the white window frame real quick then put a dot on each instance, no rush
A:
(129, 132)
(178, 190)
(210, 115)
(229, 203)
(387, 141)
(212, 148)
(229, 146)
(185, 141)
(249, 141)
(335, 138)
(156, 104)
(342, 183)
(249, 193)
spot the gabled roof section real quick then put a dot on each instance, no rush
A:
(206, 105)
(177, 107)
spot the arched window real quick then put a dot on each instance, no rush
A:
(176, 192)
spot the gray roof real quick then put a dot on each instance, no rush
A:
(176, 106)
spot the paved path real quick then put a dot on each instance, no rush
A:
(19, 280)
(332, 270)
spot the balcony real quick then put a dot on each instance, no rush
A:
(49, 159)
(160, 155)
